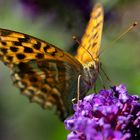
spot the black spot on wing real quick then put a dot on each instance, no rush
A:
(20, 56)
(10, 58)
(3, 43)
(98, 24)
(3, 50)
(39, 55)
(95, 35)
(94, 44)
(25, 39)
(53, 53)
(46, 48)
(37, 46)
(16, 43)
(28, 50)
(14, 49)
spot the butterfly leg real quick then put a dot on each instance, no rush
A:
(102, 82)
(95, 89)
(78, 90)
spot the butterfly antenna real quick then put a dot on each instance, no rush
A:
(128, 30)
(120, 36)
(75, 39)
(107, 77)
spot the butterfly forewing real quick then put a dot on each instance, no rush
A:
(18, 47)
(92, 37)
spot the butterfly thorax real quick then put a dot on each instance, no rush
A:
(91, 70)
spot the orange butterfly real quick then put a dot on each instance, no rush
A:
(47, 74)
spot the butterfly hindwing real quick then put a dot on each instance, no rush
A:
(47, 83)
(92, 37)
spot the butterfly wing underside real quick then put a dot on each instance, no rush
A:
(43, 72)
(90, 43)
(49, 83)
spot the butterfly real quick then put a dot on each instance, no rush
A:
(46, 74)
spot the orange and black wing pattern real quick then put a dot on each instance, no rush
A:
(49, 83)
(17, 47)
(90, 44)
(43, 72)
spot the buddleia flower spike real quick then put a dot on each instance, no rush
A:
(111, 114)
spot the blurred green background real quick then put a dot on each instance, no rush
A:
(57, 23)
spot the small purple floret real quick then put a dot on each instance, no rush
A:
(111, 114)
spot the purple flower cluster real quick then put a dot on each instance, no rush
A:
(109, 115)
